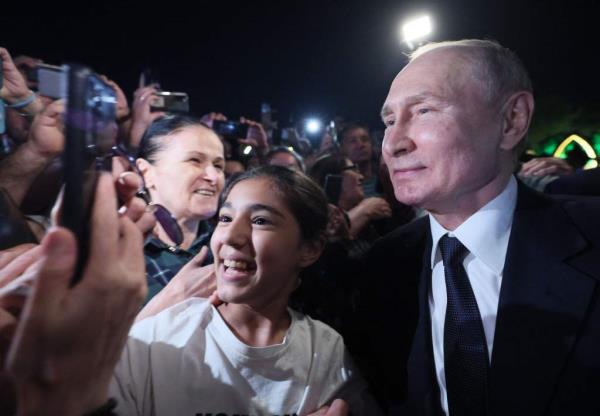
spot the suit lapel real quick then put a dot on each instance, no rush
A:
(543, 301)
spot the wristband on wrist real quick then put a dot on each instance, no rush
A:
(105, 410)
(23, 103)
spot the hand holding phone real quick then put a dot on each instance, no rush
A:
(91, 113)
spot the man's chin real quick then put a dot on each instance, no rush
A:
(413, 199)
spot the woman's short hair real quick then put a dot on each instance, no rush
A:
(304, 198)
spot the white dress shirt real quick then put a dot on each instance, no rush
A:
(485, 234)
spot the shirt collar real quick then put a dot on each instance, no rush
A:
(485, 234)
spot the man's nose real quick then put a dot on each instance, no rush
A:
(397, 141)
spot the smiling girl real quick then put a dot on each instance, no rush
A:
(251, 355)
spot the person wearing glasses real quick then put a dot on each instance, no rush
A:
(361, 211)
(182, 163)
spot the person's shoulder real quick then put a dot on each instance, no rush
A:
(318, 332)
(174, 325)
(409, 238)
(584, 212)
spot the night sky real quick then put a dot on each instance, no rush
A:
(320, 58)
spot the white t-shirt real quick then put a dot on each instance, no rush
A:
(186, 361)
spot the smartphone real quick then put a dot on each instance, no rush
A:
(333, 188)
(90, 132)
(230, 129)
(170, 102)
(51, 80)
(14, 229)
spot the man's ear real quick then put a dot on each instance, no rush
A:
(516, 117)
(146, 170)
(310, 251)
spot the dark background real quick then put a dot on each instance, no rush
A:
(321, 58)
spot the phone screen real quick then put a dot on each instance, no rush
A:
(52, 81)
(170, 102)
(230, 129)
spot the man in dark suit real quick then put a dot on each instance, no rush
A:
(490, 304)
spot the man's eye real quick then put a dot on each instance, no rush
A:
(195, 160)
(220, 167)
(389, 122)
(424, 110)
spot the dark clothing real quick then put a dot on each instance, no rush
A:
(545, 358)
(164, 261)
(581, 182)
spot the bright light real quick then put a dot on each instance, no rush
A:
(313, 126)
(416, 29)
(290, 148)
(247, 150)
(587, 148)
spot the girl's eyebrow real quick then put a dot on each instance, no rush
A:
(258, 207)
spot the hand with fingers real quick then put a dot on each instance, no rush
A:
(45, 141)
(543, 166)
(128, 184)
(14, 87)
(256, 137)
(46, 135)
(141, 114)
(17, 268)
(122, 104)
(338, 408)
(193, 280)
(369, 209)
(338, 228)
(69, 338)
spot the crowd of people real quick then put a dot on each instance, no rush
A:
(436, 274)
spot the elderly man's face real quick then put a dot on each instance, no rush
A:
(442, 137)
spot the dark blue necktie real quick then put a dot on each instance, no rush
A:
(466, 361)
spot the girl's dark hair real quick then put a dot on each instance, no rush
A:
(304, 198)
(152, 142)
(328, 164)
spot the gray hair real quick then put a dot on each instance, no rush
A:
(499, 68)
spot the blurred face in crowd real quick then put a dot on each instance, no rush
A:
(284, 159)
(352, 192)
(442, 142)
(187, 177)
(232, 167)
(356, 144)
(257, 246)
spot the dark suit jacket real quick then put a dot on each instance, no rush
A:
(546, 355)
